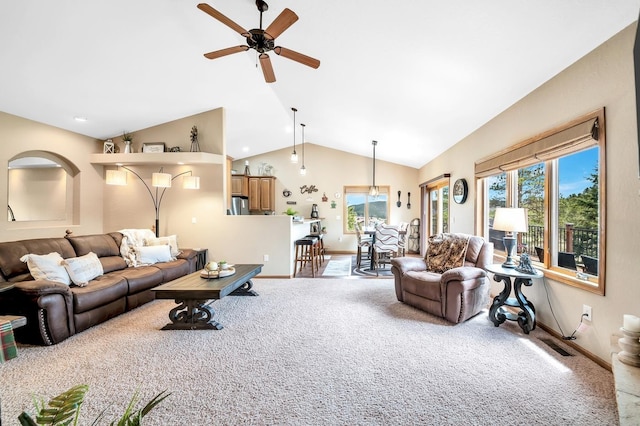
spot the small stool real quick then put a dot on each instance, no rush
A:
(320, 245)
(306, 252)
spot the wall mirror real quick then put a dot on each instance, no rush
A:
(41, 186)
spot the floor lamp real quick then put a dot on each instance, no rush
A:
(512, 221)
(158, 180)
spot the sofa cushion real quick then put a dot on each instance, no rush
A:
(174, 269)
(422, 283)
(46, 267)
(83, 269)
(100, 291)
(446, 251)
(11, 252)
(100, 244)
(141, 278)
(112, 263)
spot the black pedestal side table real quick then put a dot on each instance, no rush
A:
(498, 312)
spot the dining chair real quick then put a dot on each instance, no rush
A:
(385, 246)
(403, 227)
(364, 242)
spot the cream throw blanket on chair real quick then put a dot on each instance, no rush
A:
(133, 238)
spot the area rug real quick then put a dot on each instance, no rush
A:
(338, 268)
(366, 271)
(316, 352)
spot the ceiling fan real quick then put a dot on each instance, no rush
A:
(262, 41)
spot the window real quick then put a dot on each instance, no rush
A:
(559, 178)
(436, 192)
(360, 207)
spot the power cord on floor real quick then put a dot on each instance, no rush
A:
(564, 337)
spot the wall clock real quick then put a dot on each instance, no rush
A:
(460, 191)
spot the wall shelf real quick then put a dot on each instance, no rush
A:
(160, 158)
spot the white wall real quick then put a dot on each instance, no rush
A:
(602, 78)
(19, 135)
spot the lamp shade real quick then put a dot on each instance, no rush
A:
(191, 182)
(161, 180)
(510, 220)
(116, 177)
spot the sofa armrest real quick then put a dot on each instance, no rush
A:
(191, 256)
(48, 306)
(462, 274)
(406, 264)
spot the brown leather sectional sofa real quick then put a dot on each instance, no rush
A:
(57, 311)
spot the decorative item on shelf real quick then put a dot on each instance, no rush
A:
(374, 191)
(512, 221)
(460, 191)
(127, 138)
(333, 204)
(409, 200)
(153, 147)
(158, 180)
(314, 211)
(324, 197)
(308, 189)
(399, 203)
(175, 149)
(195, 146)
(294, 154)
(247, 170)
(286, 193)
(268, 170)
(290, 212)
(108, 147)
(303, 169)
(324, 230)
(630, 342)
(525, 265)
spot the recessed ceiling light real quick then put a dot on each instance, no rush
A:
(81, 119)
(245, 149)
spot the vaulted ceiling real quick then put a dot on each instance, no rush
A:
(416, 75)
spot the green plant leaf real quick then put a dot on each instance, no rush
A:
(62, 409)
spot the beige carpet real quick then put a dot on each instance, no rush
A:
(317, 352)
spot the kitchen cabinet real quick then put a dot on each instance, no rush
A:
(262, 193)
(239, 185)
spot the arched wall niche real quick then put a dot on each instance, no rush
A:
(42, 186)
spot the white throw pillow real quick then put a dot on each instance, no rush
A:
(46, 267)
(148, 255)
(171, 241)
(83, 269)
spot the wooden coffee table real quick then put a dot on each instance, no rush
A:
(194, 296)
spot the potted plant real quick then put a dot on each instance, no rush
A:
(127, 138)
(65, 409)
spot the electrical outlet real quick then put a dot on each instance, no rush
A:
(265, 258)
(586, 312)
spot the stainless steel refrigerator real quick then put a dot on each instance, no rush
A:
(239, 205)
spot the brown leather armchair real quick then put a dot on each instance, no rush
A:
(457, 294)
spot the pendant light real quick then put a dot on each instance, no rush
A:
(294, 154)
(373, 189)
(303, 169)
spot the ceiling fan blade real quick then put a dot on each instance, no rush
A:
(286, 18)
(224, 52)
(220, 17)
(298, 57)
(267, 69)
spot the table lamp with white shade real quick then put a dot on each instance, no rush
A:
(512, 221)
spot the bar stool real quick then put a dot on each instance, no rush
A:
(306, 251)
(319, 246)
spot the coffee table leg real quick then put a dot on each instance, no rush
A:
(244, 290)
(192, 315)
